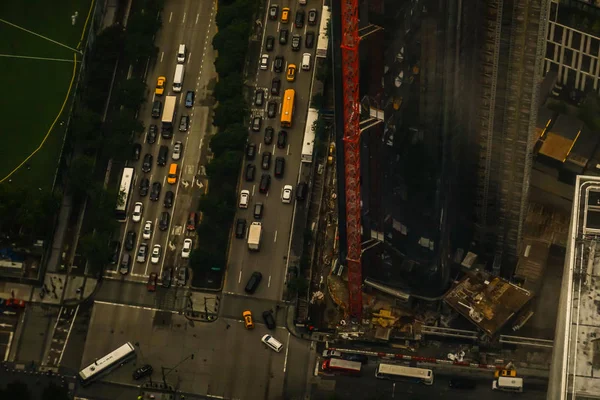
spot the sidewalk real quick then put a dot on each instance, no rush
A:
(202, 307)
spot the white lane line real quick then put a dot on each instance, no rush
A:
(62, 352)
(253, 189)
(259, 147)
(269, 284)
(288, 149)
(183, 21)
(170, 17)
(240, 278)
(273, 151)
(201, 141)
(287, 348)
(197, 16)
(275, 239)
(138, 307)
(189, 57)
(162, 54)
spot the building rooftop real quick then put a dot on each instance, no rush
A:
(561, 137)
(576, 359)
(487, 301)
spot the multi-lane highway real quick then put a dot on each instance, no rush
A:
(186, 23)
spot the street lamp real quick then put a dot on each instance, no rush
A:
(164, 376)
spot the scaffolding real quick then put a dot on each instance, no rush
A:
(512, 59)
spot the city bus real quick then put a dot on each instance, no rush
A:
(104, 365)
(288, 108)
(401, 372)
(125, 194)
(341, 366)
(308, 144)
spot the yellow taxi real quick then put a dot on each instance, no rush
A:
(291, 73)
(160, 85)
(248, 323)
(285, 15)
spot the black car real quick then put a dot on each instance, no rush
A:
(240, 228)
(250, 172)
(283, 36)
(269, 133)
(167, 277)
(269, 319)
(266, 160)
(265, 183)
(189, 98)
(273, 10)
(281, 139)
(256, 123)
(163, 222)
(272, 109)
(163, 153)
(184, 123)
(258, 210)
(259, 97)
(147, 164)
(309, 40)
(144, 187)
(299, 19)
(142, 372)
(270, 43)
(279, 166)
(166, 131)
(312, 17)
(155, 193)
(278, 64)
(156, 108)
(462, 383)
(296, 41)
(152, 134)
(361, 358)
(275, 86)
(301, 191)
(114, 247)
(253, 282)
(250, 151)
(137, 151)
(169, 197)
(130, 240)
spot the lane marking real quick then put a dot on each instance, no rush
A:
(162, 54)
(170, 17)
(132, 306)
(269, 284)
(184, 15)
(240, 278)
(197, 16)
(287, 348)
(275, 239)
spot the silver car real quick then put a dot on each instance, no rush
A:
(142, 253)
(177, 150)
(181, 276)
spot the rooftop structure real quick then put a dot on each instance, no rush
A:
(575, 362)
(488, 302)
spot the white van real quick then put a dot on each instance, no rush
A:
(178, 78)
(271, 342)
(306, 61)
(181, 53)
(508, 384)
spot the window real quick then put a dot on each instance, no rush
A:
(575, 40)
(585, 63)
(558, 33)
(550, 50)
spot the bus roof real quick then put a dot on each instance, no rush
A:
(402, 370)
(108, 360)
(323, 40)
(308, 143)
(124, 187)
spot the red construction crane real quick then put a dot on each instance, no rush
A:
(350, 70)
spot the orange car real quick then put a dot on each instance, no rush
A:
(248, 322)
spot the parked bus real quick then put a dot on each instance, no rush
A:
(341, 366)
(106, 364)
(308, 143)
(323, 40)
(125, 194)
(287, 110)
(404, 373)
(508, 384)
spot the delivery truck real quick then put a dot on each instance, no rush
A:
(254, 236)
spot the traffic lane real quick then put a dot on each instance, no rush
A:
(300, 366)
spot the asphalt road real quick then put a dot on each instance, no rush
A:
(277, 216)
(191, 23)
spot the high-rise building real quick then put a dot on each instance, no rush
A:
(447, 171)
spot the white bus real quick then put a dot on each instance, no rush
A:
(308, 144)
(323, 40)
(178, 78)
(401, 372)
(125, 194)
(508, 384)
(106, 364)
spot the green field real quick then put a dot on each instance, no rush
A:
(36, 88)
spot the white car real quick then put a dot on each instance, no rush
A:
(147, 233)
(244, 198)
(331, 353)
(142, 252)
(264, 62)
(138, 209)
(187, 248)
(177, 149)
(286, 194)
(156, 251)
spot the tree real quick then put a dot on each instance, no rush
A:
(109, 44)
(234, 13)
(234, 138)
(138, 45)
(55, 392)
(298, 285)
(86, 127)
(228, 87)
(81, 171)
(225, 168)
(133, 93)
(16, 390)
(102, 206)
(230, 111)
(220, 212)
(94, 247)
(317, 101)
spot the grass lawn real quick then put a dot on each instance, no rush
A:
(41, 85)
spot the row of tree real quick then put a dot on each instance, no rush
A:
(95, 139)
(20, 390)
(234, 21)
